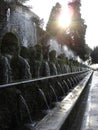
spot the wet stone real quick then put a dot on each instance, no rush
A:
(91, 114)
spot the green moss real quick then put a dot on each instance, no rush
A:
(38, 49)
(8, 41)
(24, 52)
(62, 58)
(32, 54)
(52, 56)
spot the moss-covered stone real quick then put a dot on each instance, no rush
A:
(52, 56)
(52, 62)
(38, 48)
(8, 41)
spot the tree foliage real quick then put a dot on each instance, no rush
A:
(74, 35)
(52, 26)
(77, 32)
(94, 55)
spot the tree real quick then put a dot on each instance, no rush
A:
(94, 55)
(77, 31)
(52, 25)
(16, 1)
(74, 35)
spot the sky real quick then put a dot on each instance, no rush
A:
(89, 11)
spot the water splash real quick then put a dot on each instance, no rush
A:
(70, 84)
(68, 52)
(72, 80)
(66, 84)
(54, 46)
(21, 23)
(61, 88)
(79, 60)
(54, 92)
(8, 14)
(44, 97)
(8, 19)
(75, 80)
(26, 106)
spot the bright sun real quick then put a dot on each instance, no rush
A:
(65, 17)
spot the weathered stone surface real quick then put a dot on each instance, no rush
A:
(90, 121)
(57, 117)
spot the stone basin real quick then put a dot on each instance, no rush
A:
(56, 117)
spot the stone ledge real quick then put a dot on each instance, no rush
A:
(56, 117)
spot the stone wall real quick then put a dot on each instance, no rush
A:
(19, 21)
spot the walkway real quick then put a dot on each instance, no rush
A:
(90, 121)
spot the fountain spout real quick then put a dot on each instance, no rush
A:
(44, 97)
(23, 110)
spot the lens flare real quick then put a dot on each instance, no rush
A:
(64, 18)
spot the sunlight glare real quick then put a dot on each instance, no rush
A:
(65, 18)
